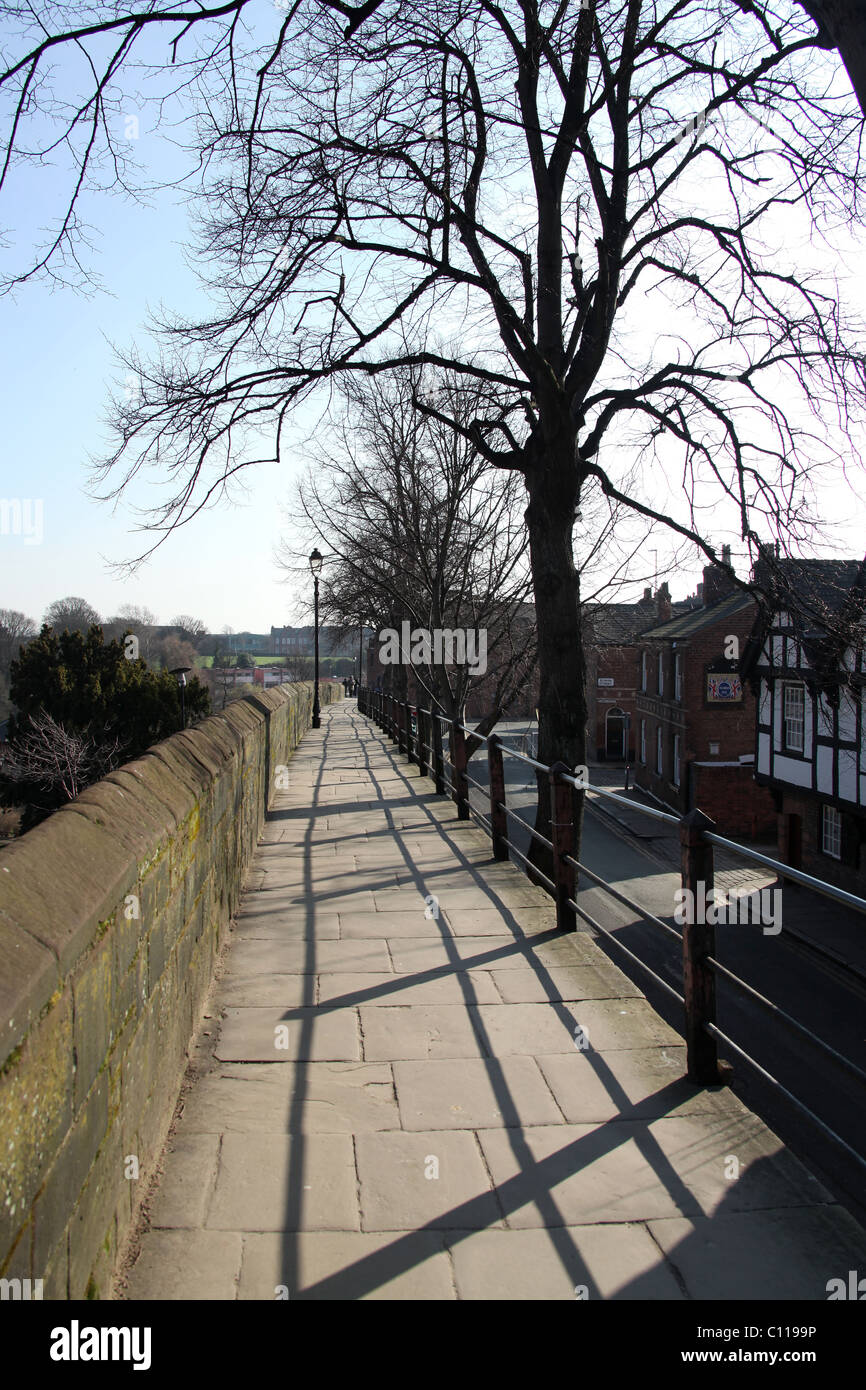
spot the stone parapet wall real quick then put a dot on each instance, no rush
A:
(112, 915)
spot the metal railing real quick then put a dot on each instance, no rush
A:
(419, 734)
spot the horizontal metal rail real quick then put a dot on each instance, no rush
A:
(786, 1018)
(536, 872)
(648, 970)
(624, 801)
(701, 968)
(783, 1090)
(786, 871)
(624, 898)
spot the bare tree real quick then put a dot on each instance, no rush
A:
(15, 629)
(298, 668)
(71, 615)
(420, 530)
(140, 622)
(530, 175)
(45, 758)
(189, 629)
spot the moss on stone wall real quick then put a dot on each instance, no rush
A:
(112, 913)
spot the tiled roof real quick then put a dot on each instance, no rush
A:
(700, 618)
(815, 588)
(623, 623)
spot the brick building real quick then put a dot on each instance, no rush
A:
(695, 717)
(806, 666)
(612, 634)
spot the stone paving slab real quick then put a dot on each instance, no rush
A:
(570, 983)
(470, 1106)
(181, 1265)
(388, 991)
(419, 1031)
(581, 1263)
(591, 1087)
(725, 1256)
(471, 1094)
(281, 924)
(257, 957)
(421, 1270)
(338, 1098)
(409, 1180)
(634, 1170)
(281, 1035)
(276, 1182)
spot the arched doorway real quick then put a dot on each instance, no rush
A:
(614, 726)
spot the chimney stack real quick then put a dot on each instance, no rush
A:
(717, 584)
(647, 596)
(663, 603)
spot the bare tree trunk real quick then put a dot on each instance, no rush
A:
(845, 23)
(561, 656)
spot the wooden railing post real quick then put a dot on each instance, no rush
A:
(422, 738)
(699, 942)
(406, 722)
(562, 838)
(410, 737)
(498, 818)
(458, 758)
(436, 744)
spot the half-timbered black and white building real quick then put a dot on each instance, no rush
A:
(807, 668)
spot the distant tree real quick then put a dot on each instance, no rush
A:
(137, 621)
(15, 628)
(221, 681)
(171, 652)
(71, 615)
(189, 629)
(238, 692)
(245, 659)
(91, 689)
(300, 668)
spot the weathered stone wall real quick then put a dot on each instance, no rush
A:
(112, 913)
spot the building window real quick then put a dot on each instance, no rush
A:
(676, 774)
(678, 676)
(659, 759)
(661, 674)
(643, 740)
(794, 715)
(831, 832)
(643, 671)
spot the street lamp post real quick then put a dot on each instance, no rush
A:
(316, 568)
(180, 674)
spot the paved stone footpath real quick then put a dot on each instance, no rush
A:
(419, 1089)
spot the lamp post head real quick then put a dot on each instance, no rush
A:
(181, 673)
(316, 563)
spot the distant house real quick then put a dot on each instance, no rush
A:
(300, 641)
(695, 718)
(292, 641)
(807, 667)
(611, 638)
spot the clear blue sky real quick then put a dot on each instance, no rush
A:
(56, 365)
